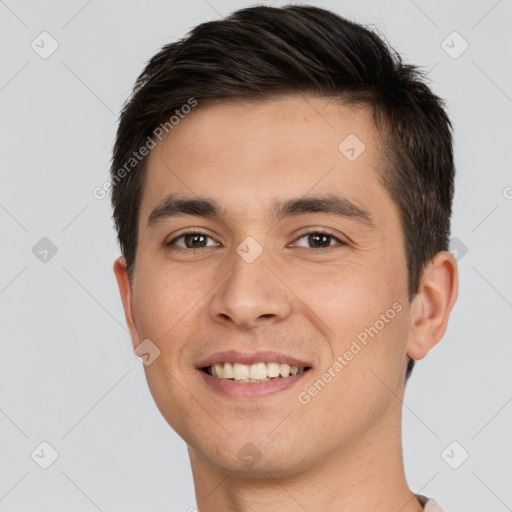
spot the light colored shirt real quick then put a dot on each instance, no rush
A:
(429, 504)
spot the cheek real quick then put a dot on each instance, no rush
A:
(161, 299)
(361, 315)
(346, 298)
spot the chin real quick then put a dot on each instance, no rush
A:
(257, 468)
(251, 459)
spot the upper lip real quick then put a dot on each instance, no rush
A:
(232, 356)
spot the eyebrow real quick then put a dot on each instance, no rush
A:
(174, 206)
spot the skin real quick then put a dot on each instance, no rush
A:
(342, 451)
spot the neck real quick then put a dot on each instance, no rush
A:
(367, 475)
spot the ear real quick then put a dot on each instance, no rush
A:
(125, 289)
(433, 303)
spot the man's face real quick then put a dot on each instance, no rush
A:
(253, 282)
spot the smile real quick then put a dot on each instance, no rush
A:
(258, 372)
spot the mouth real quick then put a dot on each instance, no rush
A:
(254, 373)
(243, 375)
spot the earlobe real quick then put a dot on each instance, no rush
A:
(432, 305)
(125, 289)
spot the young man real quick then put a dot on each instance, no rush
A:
(282, 191)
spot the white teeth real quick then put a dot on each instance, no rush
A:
(240, 371)
(284, 370)
(273, 369)
(257, 372)
(228, 371)
(219, 370)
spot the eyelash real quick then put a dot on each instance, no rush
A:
(307, 233)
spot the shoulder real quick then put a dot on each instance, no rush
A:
(430, 504)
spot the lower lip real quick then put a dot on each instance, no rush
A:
(235, 389)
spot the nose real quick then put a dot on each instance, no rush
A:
(251, 295)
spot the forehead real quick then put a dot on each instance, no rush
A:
(290, 125)
(246, 153)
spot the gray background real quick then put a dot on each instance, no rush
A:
(67, 372)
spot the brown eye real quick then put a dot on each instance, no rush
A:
(319, 240)
(191, 240)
